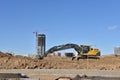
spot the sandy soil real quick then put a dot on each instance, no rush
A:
(8, 61)
(54, 67)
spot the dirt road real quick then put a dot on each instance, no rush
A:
(51, 74)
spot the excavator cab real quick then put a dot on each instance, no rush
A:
(89, 52)
(85, 48)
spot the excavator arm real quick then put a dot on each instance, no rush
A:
(65, 46)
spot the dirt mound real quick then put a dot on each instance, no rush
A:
(8, 61)
(5, 54)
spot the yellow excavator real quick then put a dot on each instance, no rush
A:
(88, 52)
(83, 51)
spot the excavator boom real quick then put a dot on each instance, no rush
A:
(65, 46)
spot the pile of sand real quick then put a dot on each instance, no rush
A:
(8, 61)
(5, 54)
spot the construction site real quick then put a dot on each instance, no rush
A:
(86, 64)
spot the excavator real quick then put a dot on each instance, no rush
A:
(83, 51)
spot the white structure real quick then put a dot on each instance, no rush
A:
(117, 50)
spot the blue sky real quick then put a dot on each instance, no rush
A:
(95, 22)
